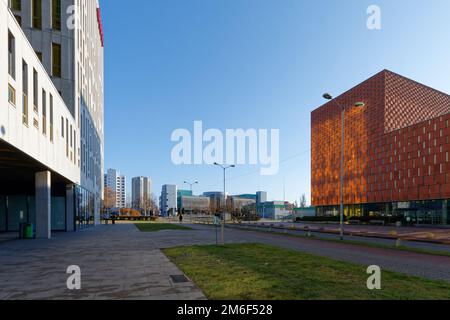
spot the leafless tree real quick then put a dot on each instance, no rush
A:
(303, 201)
(109, 200)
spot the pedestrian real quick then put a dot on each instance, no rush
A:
(181, 218)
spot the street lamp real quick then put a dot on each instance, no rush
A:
(225, 168)
(328, 96)
(191, 185)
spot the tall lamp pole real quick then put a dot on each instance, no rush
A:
(191, 185)
(224, 168)
(329, 97)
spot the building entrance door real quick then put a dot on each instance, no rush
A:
(17, 212)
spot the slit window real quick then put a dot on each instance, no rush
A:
(56, 60)
(11, 55)
(37, 14)
(56, 15)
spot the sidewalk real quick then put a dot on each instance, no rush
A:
(421, 234)
(117, 262)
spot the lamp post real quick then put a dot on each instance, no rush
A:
(224, 168)
(191, 185)
(329, 97)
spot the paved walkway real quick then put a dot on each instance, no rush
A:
(119, 262)
(423, 234)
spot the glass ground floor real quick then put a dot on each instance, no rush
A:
(16, 209)
(430, 212)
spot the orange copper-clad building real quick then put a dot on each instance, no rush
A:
(396, 152)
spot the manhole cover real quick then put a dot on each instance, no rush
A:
(179, 279)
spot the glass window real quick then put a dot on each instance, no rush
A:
(51, 118)
(56, 14)
(35, 91)
(67, 138)
(39, 55)
(25, 92)
(16, 5)
(11, 95)
(56, 60)
(37, 14)
(19, 19)
(11, 55)
(44, 112)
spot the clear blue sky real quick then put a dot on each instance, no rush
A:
(250, 64)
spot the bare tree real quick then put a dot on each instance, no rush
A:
(109, 200)
(303, 201)
(150, 204)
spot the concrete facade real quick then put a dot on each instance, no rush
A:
(141, 192)
(116, 182)
(51, 111)
(168, 200)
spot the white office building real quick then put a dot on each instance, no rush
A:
(141, 191)
(116, 183)
(51, 111)
(194, 204)
(168, 200)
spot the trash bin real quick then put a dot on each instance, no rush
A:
(29, 231)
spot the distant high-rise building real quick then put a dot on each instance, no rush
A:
(117, 184)
(261, 197)
(168, 200)
(141, 190)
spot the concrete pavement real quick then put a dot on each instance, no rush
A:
(117, 262)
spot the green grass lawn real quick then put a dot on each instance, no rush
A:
(261, 272)
(153, 227)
